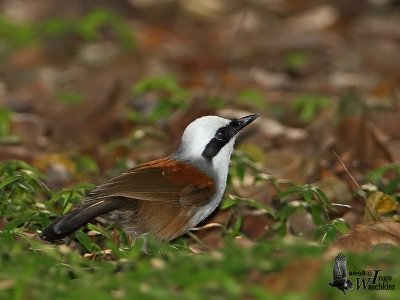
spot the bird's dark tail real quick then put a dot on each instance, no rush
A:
(67, 224)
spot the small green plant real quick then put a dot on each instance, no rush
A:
(19, 186)
(313, 200)
(242, 163)
(13, 35)
(26, 203)
(387, 179)
(89, 27)
(170, 96)
(215, 102)
(233, 201)
(6, 137)
(86, 164)
(308, 106)
(70, 97)
(30, 268)
(252, 97)
(303, 197)
(350, 104)
(63, 201)
(296, 60)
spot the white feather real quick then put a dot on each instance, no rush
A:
(194, 140)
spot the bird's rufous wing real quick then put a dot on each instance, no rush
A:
(165, 180)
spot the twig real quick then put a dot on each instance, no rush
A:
(360, 191)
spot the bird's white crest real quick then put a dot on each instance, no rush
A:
(196, 137)
(200, 132)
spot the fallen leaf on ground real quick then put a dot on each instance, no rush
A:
(379, 204)
(363, 237)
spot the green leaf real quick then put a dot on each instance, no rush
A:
(321, 196)
(8, 181)
(228, 203)
(254, 204)
(55, 28)
(309, 105)
(318, 214)
(85, 163)
(84, 240)
(392, 186)
(236, 227)
(171, 96)
(286, 211)
(297, 59)
(292, 190)
(10, 226)
(117, 251)
(99, 229)
(329, 234)
(377, 174)
(26, 186)
(341, 225)
(166, 82)
(92, 24)
(240, 170)
(307, 194)
(280, 228)
(253, 97)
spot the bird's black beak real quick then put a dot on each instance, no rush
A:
(239, 124)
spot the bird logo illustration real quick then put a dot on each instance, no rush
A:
(340, 280)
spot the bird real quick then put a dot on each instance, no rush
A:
(165, 197)
(340, 280)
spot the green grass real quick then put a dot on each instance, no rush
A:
(31, 269)
(105, 265)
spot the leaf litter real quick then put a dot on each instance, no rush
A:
(69, 95)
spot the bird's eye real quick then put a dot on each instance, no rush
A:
(220, 134)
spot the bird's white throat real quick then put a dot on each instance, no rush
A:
(194, 140)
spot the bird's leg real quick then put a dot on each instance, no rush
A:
(144, 250)
(145, 247)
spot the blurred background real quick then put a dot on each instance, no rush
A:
(91, 88)
(78, 75)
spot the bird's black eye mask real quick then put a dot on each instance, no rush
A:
(220, 139)
(225, 134)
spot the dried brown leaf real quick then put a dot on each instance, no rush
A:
(379, 204)
(363, 237)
